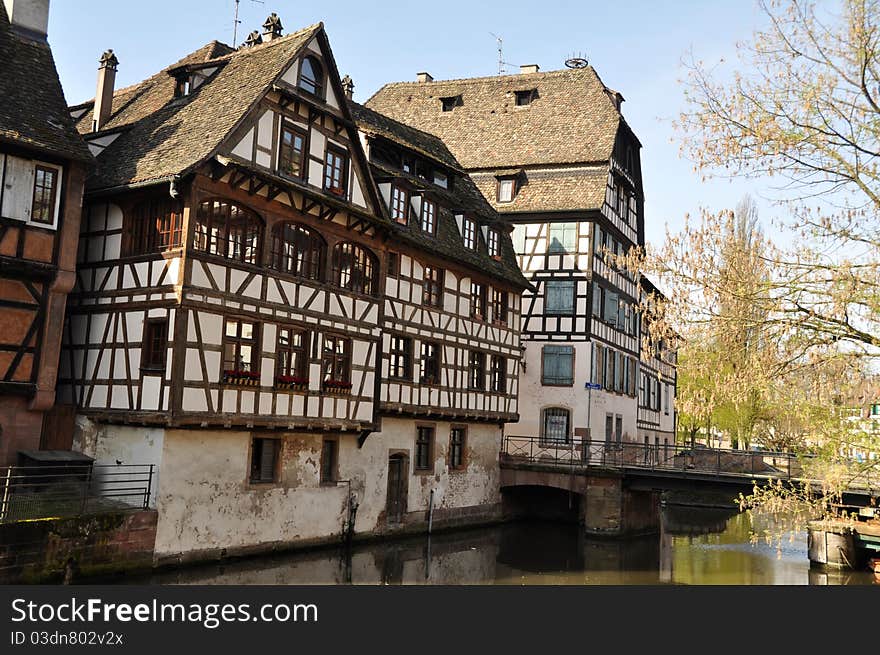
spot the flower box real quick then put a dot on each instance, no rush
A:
(340, 193)
(291, 383)
(337, 386)
(241, 378)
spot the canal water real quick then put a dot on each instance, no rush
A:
(695, 546)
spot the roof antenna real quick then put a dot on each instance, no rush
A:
(501, 62)
(236, 22)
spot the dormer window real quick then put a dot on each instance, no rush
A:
(449, 103)
(183, 87)
(399, 204)
(525, 97)
(506, 189)
(469, 233)
(493, 243)
(311, 77)
(429, 216)
(441, 179)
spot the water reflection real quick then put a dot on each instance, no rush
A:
(695, 546)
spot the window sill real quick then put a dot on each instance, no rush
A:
(457, 469)
(423, 471)
(147, 370)
(557, 384)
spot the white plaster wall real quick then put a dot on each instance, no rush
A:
(534, 397)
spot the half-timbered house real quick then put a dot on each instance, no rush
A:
(43, 164)
(249, 315)
(552, 153)
(657, 381)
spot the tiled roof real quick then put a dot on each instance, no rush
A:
(462, 197)
(33, 111)
(574, 189)
(163, 135)
(426, 144)
(572, 119)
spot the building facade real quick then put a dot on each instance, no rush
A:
(43, 165)
(306, 341)
(552, 153)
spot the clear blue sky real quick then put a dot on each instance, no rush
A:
(636, 47)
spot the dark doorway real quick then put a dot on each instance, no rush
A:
(398, 475)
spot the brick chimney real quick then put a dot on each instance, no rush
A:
(528, 68)
(30, 18)
(348, 86)
(424, 77)
(272, 27)
(104, 95)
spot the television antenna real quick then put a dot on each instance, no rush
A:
(501, 62)
(236, 22)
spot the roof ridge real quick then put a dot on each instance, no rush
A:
(485, 78)
(261, 47)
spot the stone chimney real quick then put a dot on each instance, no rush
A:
(253, 39)
(30, 18)
(272, 27)
(348, 86)
(528, 68)
(424, 77)
(104, 95)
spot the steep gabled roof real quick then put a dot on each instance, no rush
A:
(164, 136)
(33, 111)
(462, 197)
(573, 117)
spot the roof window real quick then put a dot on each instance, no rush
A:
(451, 102)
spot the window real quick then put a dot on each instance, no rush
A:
(430, 363)
(298, 250)
(499, 306)
(354, 268)
(563, 238)
(329, 461)
(666, 399)
(478, 300)
(477, 370)
(498, 374)
(399, 204)
(336, 171)
(557, 366)
(469, 232)
(228, 230)
(264, 459)
(393, 264)
(432, 287)
(618, 428)
(240, 348)
(424, 448)
(292, 151)
(457, 438)
(311, 77)
(609, 313)
(441, 179)
(156, 226)
(559, 297)
(597, 300)
(400, 358)
(609, 428)
(598, 240)
(506, 189)
(519, 239)
(155, 344)
(45, 189)
(336, 362)
(525, 97)
(429, 216)
(597, 372)
(555, 423)
(293, 356)
(493, 243)
(450, 103)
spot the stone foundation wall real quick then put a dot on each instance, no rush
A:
(46, 550)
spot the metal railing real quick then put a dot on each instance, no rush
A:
(580, 452)
(32, 492)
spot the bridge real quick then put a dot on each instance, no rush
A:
(613, 488)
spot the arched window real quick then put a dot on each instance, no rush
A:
(229, 230)
(354, 268)
(155, 225)
(311, 76)
(297, 249)
(555, 425)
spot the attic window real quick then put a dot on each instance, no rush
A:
(506, 189)
(525, 97)
(450, 103)
(183, 86)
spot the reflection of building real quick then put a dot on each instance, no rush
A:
(280, 334)
(554, 155)
(43, 162)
